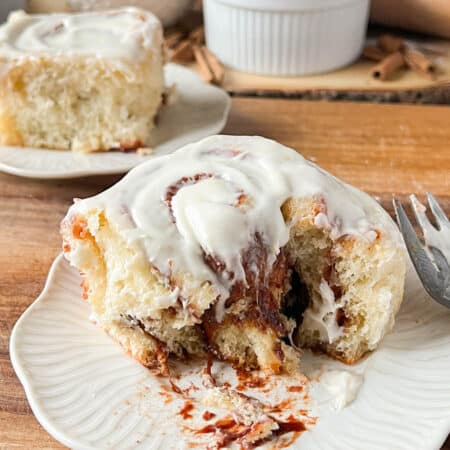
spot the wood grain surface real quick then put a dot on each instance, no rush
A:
(383, 149)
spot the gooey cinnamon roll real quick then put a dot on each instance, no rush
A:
(239, 247)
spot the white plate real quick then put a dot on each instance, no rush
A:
(88, 395)
(199, 110)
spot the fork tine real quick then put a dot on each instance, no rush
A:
(438, 212)
(440, 260)
(424, 267)
(419, 212)
(411, 239)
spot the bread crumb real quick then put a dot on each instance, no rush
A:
(145, 151)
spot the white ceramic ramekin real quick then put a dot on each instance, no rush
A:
(286, 37)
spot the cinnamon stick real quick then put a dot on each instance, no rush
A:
(388, 66)
(373, 53)
(390, 43)
(173, 38)
(418, 62)
(215, 66)
(198, 35)
(183, 53)
(203, 66)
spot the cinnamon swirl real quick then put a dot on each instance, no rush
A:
(84, 82)
(240, 247)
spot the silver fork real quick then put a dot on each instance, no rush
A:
(432, 258)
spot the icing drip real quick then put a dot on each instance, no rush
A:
(200, 209)
(322, 317)
(126, 33)
(343, 386)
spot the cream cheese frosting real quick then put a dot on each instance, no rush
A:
(322, 317)
(343, 386)
(213, 197)
(127, 33)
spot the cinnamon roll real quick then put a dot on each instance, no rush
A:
(84, 82)
(240, 247)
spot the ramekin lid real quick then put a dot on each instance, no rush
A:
(287, 5)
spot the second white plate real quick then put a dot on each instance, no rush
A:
(199, 110)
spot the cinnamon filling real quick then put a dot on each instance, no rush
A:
(296, 300)
(330, 277)
(262, 290)
(229, 431)
(272, 297)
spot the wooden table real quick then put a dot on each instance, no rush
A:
(383, 149)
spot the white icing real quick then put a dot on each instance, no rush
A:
(322, 316)
(321, 221)
(127, 33)
(342, 385)
(206, 218)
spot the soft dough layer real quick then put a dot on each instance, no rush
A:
(240, 247)
(84, 82)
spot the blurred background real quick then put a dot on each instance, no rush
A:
(383, 50)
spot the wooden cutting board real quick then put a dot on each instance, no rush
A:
(383, 149)
(355, 81)
(351, 83)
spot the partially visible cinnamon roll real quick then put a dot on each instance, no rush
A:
(84, 82)
(240, 247)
